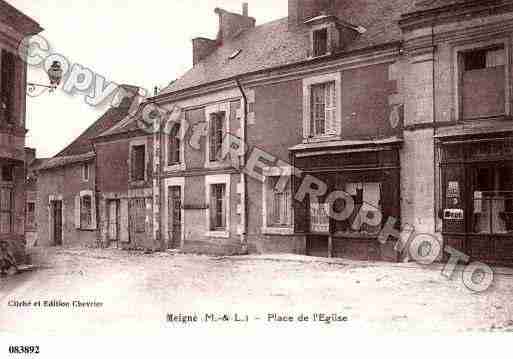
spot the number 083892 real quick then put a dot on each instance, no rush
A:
(24, 349)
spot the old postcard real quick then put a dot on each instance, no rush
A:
(168, 168)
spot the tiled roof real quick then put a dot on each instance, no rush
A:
(66, 160)
(14, 17)
(274, 44)
(83, 144)
(125, 125)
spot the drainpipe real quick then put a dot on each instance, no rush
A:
(435, 167)
(242, 165)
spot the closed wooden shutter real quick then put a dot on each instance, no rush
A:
(331, 109)
(77, 211)
(93, 211)
(8, 87)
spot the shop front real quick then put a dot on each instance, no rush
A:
(363, 191)
(477, 203)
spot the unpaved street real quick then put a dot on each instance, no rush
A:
(134, 292)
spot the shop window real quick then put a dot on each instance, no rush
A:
(7, 87)
(138, 161)
(483, 76)
(217, 130)
(493, 199)
(6, 210)
(367, 201)
(31, 214)
(174, 146)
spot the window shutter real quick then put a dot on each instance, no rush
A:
(93, 211)
(213, 209)
(77, 212)
(213, 123)
(332, 125)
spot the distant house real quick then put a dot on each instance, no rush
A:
(66, 207)
(124, 158)
(14, 26)
(32, 164)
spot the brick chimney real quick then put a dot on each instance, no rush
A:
(301, 10)
(201, 48)
(232, 24)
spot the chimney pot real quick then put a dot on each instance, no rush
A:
(245, 9)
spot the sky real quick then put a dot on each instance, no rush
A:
(144, 43)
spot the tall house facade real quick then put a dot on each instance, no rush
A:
(14, 26)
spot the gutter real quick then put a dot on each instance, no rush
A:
(242, 165)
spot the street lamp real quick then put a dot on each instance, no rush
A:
(54, 74)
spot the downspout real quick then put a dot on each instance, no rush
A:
(435, 167)
(99, 223)
(242, 165)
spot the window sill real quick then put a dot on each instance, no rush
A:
(175, 167)
(137, 183)
(218, 234)
(324, 138)
(216, 165)
(86, 229)
(282, 231)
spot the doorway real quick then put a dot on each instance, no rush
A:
(174, 217)
(113, 221)
(56, 208)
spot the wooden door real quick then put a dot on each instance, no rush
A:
(57, 222)
(174, 217)
(113, 220)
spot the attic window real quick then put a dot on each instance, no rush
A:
(320, 42)
(235, 54)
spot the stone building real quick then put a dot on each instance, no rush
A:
(14, 27)
(401, 108)
(67, 193)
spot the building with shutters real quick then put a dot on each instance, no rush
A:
(14, 26)
(67, 205)
(403, 105)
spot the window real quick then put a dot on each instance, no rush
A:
(7, 173)
(86, 211)
(218, 207)
(85, 172)
(279, 208)
(174, 146)
(323, 108)
(138, 215)
(7, 84)
(217, 130)
(367, 201)
(320, 42)
(483, 82)
(31, 214)
(6, 210)
(138, 167)
(493, 199)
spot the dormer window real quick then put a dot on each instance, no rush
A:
(320, 42)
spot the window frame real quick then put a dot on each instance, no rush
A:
(308, 84)
(86, 171)
(9, 211)
(180, 165)
(210, 111)
(209, 182)
(284, 172)
(28, 222)
(458, 68)
(79, 211)
(133, 144)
